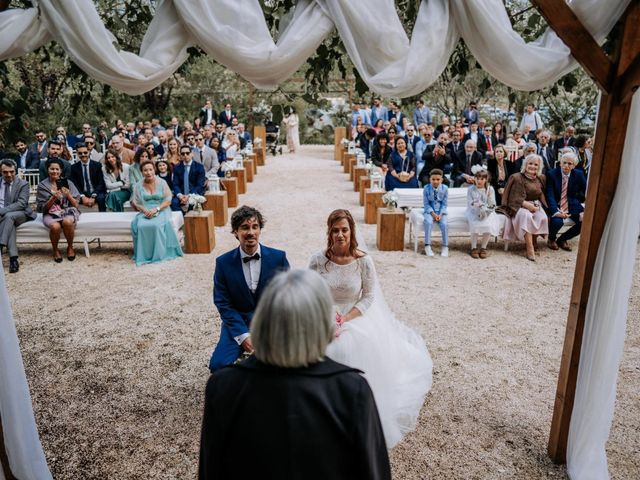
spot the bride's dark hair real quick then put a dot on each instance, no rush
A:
(335, 217)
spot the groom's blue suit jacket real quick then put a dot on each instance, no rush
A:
(231, 294)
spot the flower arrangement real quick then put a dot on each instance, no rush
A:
(261, 111)
(226, 168)
(390, 199)
(197, 201)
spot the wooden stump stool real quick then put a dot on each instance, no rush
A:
(352, 166)
(253, 157)
(347, 159)
(390, 232)
(231, 187)
(199, 236)
(338, 134)
(357, 173)
(241, 175)
(372, 202)
(260, 157)
(343, 154)
(217, 203)
(365, 182)
(248, 166)
(259, 131)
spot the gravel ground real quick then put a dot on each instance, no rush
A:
(116, 354)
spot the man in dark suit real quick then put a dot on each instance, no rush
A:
(461, 174)
(227, 115)
(435, 156)
(207, 114)
(21, 156)
(455, 146)
(546, 151)
(239, 278)
(395, 112)
(475, 135)
(87, 176)
(566, 188)
(188, 177)
(14, 210)
(567, 140)
(37, 150)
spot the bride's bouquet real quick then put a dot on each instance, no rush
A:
(339, 321)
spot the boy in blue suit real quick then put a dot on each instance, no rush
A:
(435, 198)
(241, 275)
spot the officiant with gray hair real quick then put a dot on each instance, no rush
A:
(14, 210)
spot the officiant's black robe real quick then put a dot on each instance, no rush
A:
(318, 422)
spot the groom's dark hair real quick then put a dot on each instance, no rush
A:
(243, 214)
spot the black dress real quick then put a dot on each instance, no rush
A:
(318, 422)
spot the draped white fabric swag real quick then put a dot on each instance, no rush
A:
(235, 34)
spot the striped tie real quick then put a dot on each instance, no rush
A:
(564, 203)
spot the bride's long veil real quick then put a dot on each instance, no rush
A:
(400, 372)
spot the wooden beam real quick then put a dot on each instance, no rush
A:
(629, 82)
(583, 46)
(630, 37)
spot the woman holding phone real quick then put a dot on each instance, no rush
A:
(57, 199)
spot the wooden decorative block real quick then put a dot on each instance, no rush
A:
(261, 132)
(372, 202)
(199, 236)
(357, 173)
(365, 182)
(231, 187)
(260, 156)
(338, 134)
(217, 203)
(347, 159)
(390, 232)
(248, 166)
(241, 175)
(253, 157)
(352, 166)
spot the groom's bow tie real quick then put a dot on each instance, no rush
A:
(255, 256)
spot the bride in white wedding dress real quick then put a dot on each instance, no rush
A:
(394, 358)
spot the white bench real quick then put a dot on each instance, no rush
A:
(92, 226)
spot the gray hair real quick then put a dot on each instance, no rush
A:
(470, 142)
(293, 323)
(570, 155)
(529, 158)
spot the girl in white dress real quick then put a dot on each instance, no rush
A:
(293, 138)
(394, 358)
(481, 215)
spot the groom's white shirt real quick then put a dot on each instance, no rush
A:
(251, 271)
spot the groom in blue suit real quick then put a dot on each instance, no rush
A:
(240, 277)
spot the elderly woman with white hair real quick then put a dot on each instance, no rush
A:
(523, 201)
(290, 412)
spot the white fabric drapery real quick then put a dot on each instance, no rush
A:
(235, 34)
(21, 440)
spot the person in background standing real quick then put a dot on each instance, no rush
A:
(293, 139)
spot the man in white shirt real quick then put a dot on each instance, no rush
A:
(531, 118)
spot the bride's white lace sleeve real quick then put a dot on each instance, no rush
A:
(368, 276)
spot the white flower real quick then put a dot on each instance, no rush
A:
(195, 199)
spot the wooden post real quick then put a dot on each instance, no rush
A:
(260, 157)
(260, 132)
(254, 158)
(241, 175)
(248, 166)
(390, 231)
(372, 202)
(617, 78)
(231, 187)
(365, 182)
(338, 134)
(352, 166)
(347, 159)
(217, 203)
(199, 235)
(358, 172)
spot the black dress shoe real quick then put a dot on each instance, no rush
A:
(14, 265)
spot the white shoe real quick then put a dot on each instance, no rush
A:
(445, 252)
(427, 251)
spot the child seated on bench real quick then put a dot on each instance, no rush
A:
(435, 197)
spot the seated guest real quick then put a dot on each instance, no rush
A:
(402, 167)
(87, 174)
(244, 409)
(567, 140)
(379, 126)
(135, 174)
(583, 162)
(164, 172)
(188, 177)
(477, 137)
(461, 173)
(124, 154)
(392, 133)
(381, 152)
(231, 143)
(172, 155)
(481, 215)
(94, 154)
(14, 210)
(22, 155)
(435, 197)
(54, 151)
(546, 151)
(220, 152)
(455, 146)
(205, 155)
(151, 150)
(499, 134)
(154, 239)
(528, 135)
(435, 159)
(58, 200)
(500, 169)
(116, 180)
(411, 138)
(426, 140)
(566, 187)
(367, 142)
(523, 201)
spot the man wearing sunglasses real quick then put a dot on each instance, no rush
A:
(94, 154)
(206, 156)
(87, 176)
(188, 177)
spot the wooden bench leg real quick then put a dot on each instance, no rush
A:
(86, 248)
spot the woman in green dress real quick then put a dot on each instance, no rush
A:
(154, 239)
(135, 173)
